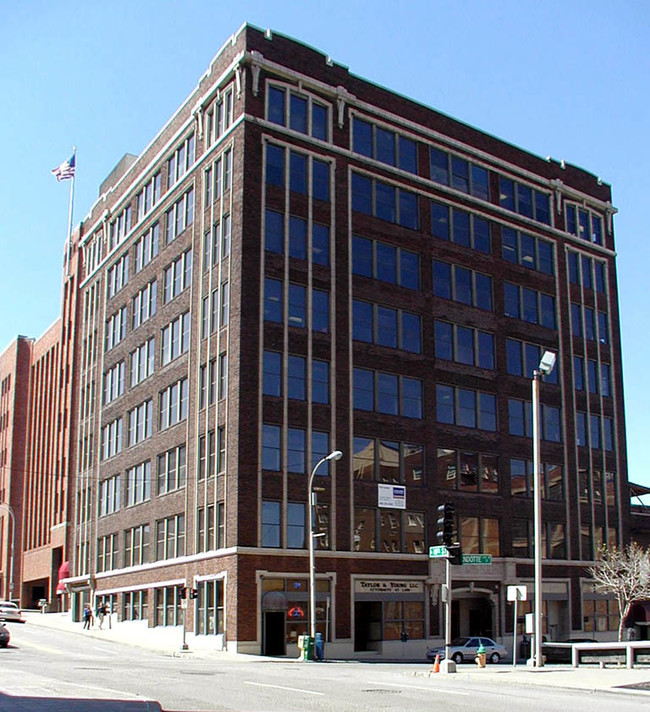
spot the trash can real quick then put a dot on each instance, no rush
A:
(524, 648)
(319, 649)
(308, 647)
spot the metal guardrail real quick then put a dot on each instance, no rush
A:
(630, 647)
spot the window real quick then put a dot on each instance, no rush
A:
(522, 359)
(115, 328)
(177, 276)
(140, 422)
(296, 377)
(521, 480)
(468, 471)
(464, 344)
(114, 382)
(216, 243)
(271, 524)
(524, 200)
(112, 439)
(106, 553)
(584, 223)
(299, 112)
(207, 384)
(479, 535)
(179, 163)
(388, 461)
(138, 483)
(385, 262)
(175, 338)
(142, 362)
(144, 304)
(387, 393)
(389, 531)
(520, 420)
(170, 537)
(146, 248)
(173, 404)
(205, 460)
(297, 305)
(465, 407)
(119, 228)
(386, 326)
(384, 145)
(529, 305)
(462, 285)
(180, 216)
(271, 447)
(605, 380)
(219, 116)
(385, 201)
(526, 250)
(295, 525)
(458, 173)
(136, 546)
(171, 470)
(109, 495)
(460, 227)
(148, 196)
(117, 276)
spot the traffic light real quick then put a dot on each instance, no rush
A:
(182, 593)
(445, 533)
(194, 593)
(456, 554)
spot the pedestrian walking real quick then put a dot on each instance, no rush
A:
(88, 616)
(101, 612)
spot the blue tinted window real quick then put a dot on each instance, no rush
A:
(511, 300)
(485, 350)
(516, 422)
(361, 194)
(578, 374)
(459, 174)
(295, 525)
(529, 300)
(551, 424)
(547, 308)
(481, 235)
(276, 105)
(596, 230)
(603, 331)
(387, 396)
(363, 389)
(386, 263)
(513, 357)
(272, 376)
(320, 180)
(439, 166)
(524, 200)
(480, 186)
(509, 245)
(362, 321)
(442, 279)
(586, 272)
(527, 250)
(274, 165)
(320, 311)
(362, 137)
(444, 404)
(532, 358)
(385, 202)
(487, 404)
(590, 326)
(296, 385)
(298, 113)
(545, 257)
(594, 431)
(409, 270)
(320, 244)
(506, 193)
(320, 447)
(272, 300)
(298, 172)
(408, 209)
(439, 220)
(274, 231)
(387, 327)
(411, 398)
(385, 146)
(461, 228)
(408, 158)
(444, 340)
(592, 376)
(464, 345)
(581, 429)
(320, 378)
(297, 237)
(600, 276)
(297, 306)
(576, 320)
(483, 284)
(571, 221)
(271, 524)
(542, 210)
(411, 333)
(362, 256)
(271, 447)
(574, 277)
(466, 408)
(296, 450)
(319, 121)
(608, 434)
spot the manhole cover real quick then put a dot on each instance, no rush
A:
(384, 692)
(636, 686)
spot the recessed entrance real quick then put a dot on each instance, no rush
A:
(273, 633)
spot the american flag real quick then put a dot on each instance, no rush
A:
(66, 170)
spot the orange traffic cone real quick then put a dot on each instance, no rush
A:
(436, 664)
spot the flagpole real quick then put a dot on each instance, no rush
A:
(67, 272)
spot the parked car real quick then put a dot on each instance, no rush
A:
(4, 636)
(464, 650)
(560, 651)
(9, 611)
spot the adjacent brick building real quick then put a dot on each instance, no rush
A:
(302, 261)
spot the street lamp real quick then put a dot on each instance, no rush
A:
(545, 367)
(11, 549)
(335, 455)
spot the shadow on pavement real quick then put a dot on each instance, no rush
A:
(10, 703)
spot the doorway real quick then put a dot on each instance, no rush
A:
(367, 626)
(274, 643)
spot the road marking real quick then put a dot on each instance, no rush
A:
(281, 687)
(419, 687)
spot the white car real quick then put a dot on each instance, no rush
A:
(9, 611)
(465, 649)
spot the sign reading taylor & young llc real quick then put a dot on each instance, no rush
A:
(387, 586)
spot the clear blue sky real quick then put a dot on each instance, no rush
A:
(562, 78)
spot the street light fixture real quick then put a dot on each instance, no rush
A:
(335, 455)
(11, 549)
(545, 367)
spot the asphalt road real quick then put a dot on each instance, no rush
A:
(46, 671)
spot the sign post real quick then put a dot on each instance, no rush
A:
(515, 593)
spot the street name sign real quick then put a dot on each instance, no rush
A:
(485, 559)
(437, 552)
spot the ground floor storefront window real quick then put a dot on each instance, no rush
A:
(168, 610)
(209, 619)
(135, 605)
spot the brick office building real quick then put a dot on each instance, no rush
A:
(302, 261)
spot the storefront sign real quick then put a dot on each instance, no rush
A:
(378, 586)
(392, 496)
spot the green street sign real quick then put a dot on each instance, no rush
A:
(485, 559)
(437, 552)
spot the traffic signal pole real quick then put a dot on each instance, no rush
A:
(447, 665)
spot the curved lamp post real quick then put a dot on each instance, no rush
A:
(545, 367)
(11, 549)
(335, 455)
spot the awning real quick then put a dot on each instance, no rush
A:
(64, 573)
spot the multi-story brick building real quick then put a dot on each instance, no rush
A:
(302, 261)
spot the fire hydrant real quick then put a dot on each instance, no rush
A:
(480, 656)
